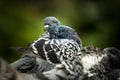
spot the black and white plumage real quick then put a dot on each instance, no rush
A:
(64, 52)
(100, 64)
(97, 64)
(59, 45)
(37, 45)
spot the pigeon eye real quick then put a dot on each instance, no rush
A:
(53, 22)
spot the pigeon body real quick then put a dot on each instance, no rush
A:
(59, 47)
(64, 52)
(100, 64)
(30, 62)
(57, 32)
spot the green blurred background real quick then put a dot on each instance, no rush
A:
(21, 21)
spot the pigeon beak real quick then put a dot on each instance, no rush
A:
(46, 27)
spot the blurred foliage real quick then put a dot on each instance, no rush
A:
(21, 21)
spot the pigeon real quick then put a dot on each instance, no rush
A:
(59, 32)
(29, 62)
(100, 64)
(59, 46)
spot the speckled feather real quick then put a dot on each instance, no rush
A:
(60, 46)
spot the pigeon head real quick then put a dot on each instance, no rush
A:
(50, 21)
